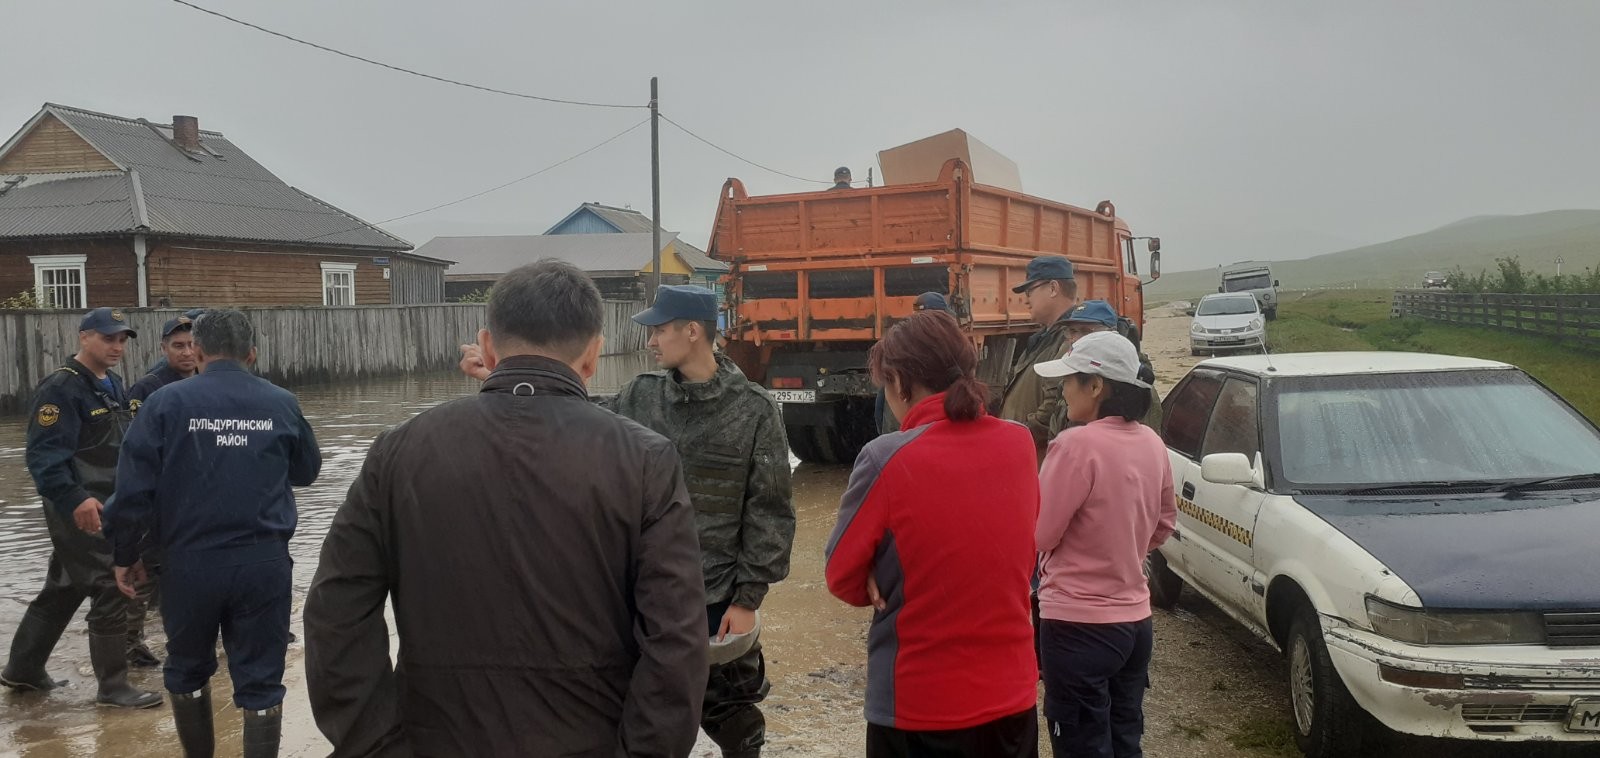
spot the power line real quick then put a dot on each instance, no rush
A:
(496, 188)
(403, 69)
(737, 156)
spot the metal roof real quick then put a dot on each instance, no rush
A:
(621, 254)
(695, 258)
(624, 220)
(44, 205)
(1342, 364)
(219, 192)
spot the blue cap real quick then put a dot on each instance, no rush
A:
(107, 321)
(194, 313)
(932, 301)
(679, 301)
(1043, 269)
(173, 325)
(1094, 312)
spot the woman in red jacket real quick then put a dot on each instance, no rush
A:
(936, 533)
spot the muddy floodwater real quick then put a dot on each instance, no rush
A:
(1216, 691)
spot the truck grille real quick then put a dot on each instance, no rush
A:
(1512, 714)
(1572, 629)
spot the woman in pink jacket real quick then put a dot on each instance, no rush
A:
(1105, 502)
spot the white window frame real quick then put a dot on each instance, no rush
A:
(45, 263)
(333, 271)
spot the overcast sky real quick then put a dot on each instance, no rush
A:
(1232, 130)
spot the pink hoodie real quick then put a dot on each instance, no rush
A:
(1105, 501)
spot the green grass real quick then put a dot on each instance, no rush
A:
(1359, 320)
(1271, 736)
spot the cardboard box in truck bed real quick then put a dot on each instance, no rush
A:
(921, 161)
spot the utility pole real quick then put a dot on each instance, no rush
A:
(655, 194)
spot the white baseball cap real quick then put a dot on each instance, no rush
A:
(1106, 354)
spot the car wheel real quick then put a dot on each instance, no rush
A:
(1328, 722)
(1165, 585)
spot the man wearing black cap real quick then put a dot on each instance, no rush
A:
(841, 178)
(178, 362)
(81, 412)
(193, 315)
(729, 433)
(887, 423)
(1051, 293)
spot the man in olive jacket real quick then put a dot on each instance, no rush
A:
(541, 556)
(729, 432)
(1051, 292)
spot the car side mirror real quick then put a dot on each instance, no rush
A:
(1227, 468)
(1275, 283)
(1155, 260)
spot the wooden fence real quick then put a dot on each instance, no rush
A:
(303, 345)
(1569, 318)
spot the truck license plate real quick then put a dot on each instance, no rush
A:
(794, 396)
(1585, 716)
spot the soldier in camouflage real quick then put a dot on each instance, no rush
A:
(1098, 316)
(729, 433)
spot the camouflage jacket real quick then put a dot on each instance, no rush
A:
(1058, 418)
(729, 433)
(1030, 399)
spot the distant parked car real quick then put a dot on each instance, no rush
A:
(1417, 534)
(1227, 322)
(1435, 280)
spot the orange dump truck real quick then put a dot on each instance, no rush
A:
(817, 277)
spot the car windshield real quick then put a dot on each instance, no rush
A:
(1451, 426)
(1434, 275)
(1259, 281)
(1226, 306)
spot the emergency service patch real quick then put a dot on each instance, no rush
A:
(133, 405)
(116, 315)
(49, 415)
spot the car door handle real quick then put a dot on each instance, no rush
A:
(1188, 490)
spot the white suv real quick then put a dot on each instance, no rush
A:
(1420, 534)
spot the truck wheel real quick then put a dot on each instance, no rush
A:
(1272, 313)
(1328, 722)
(1165, 585)
(801, 444)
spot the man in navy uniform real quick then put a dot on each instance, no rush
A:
(210, 462)
(81, 412)
(193, 314)
(179, 362)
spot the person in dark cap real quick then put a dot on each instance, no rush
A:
(887, 423)
(841, 178)
(1051, 293)
(179, 362)
(729, 433)
(81, 412)
(1098, 316)
(193, 314)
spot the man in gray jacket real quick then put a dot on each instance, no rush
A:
(541, 556)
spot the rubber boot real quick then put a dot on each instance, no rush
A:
(262, 729)
(36, 636)
(139, 653)
(740, 735)
(108, 655)
(192, 714)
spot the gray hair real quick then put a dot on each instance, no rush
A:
(224, 334)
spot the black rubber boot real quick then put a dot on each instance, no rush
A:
(192, 714)
(109, 656)
(740, 735)
(262, 730)
(36, 636)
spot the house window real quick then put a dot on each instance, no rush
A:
(59, 281)
(338, 283)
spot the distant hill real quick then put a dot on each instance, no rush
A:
(1472, 243)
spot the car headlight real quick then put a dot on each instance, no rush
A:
(1420, 626)
(1256, 324)
(1196, 328)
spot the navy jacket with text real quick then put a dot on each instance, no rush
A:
(208, 466)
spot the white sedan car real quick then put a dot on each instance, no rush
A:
(1227, 322)
(1420, 535)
